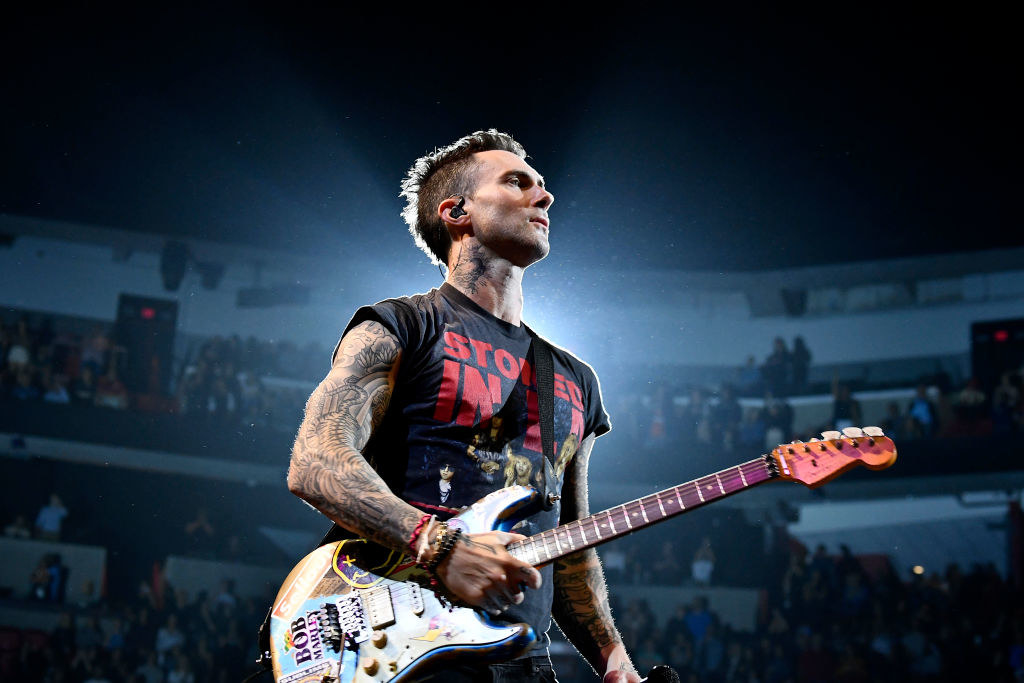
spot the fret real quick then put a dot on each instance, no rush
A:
(643, 513)
(662, 507)
(742, 478)
(544, 544)
(558, 546)
(625, 516)
(582, 532)
(611, 523)
(596, 529)
(719, 480)
(536, 553)
(696, 486)
(681, 506)
(568, 538)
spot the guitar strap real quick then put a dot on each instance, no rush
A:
(544, 366)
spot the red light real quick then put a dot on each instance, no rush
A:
(148, 313)
(1001, 335)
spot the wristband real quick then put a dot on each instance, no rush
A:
(416, 533)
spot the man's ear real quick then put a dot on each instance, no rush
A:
(460, 219)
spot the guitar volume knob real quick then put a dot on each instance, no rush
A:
(370, 666)
(379, 639)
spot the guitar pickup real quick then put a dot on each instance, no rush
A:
(351, 619)
(380, 613)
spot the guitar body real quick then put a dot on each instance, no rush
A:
(353, 611)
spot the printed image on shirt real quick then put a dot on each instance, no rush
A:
(518, 469)
(444, 485)
(486, 448)
(568, 450)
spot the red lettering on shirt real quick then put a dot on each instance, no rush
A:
(477, 397)
(527, 374)
(532, 439)
(481, 349)
(449, 388)
(455, 344)
(506, 363)
(576, 396)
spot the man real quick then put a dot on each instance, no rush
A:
(419, 384)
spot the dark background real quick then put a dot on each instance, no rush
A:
(743, 140)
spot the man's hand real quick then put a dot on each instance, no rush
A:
(481, 572)
(620, 669)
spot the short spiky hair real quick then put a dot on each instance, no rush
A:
(437, 176)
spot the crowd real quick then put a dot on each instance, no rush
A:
(784, 372)
(713, 415)
(843, 618)
(162, 636)
(229, 382)
(224, 381)
(821, 618)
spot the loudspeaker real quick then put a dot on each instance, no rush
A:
(145, 328)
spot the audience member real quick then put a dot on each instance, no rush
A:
(921, 413)
(801, 363)
(703, 564)
(777, 368)
(846, 410)
(50, 519)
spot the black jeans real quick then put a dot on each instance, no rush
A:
(526, 670)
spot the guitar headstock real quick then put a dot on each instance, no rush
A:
(817, 461)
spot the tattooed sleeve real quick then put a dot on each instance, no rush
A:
(327, 467)
(581, 596)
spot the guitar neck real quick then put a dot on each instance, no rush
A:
(612, 523)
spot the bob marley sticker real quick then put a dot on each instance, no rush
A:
(444, 484)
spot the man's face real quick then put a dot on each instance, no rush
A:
(509, 207)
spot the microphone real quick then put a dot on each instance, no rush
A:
(661, 674)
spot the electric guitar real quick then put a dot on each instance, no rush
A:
(355, 612)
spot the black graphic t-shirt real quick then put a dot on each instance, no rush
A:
(463, 418)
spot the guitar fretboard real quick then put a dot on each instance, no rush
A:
(602, 527)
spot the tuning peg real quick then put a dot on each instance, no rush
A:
(853, 432)
(873, 431)
(831, 436)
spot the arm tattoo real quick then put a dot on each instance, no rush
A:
(327, 468)
(581, 596)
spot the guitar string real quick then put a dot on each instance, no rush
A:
(756, 468)
(751, 468)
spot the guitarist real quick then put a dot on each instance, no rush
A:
(431, 403)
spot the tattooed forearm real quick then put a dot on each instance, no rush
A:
(581, 595)
(581, 606)
(327, 468)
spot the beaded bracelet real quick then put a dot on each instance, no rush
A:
(445, 549)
